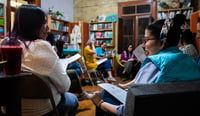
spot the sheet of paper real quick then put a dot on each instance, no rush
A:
(65, 61)
(101, 61)
(115, 91)
(139, 53)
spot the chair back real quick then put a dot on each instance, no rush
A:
(83, 61)
(34, 87)
(75, 83)
(117, 56)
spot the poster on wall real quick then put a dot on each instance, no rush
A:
(112, 17)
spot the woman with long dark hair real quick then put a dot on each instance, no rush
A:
(30, 26)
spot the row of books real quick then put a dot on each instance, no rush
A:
(108, 42)
(101, 35)
(171, 14)
(100, 26)
(62, 37)
(56, 25)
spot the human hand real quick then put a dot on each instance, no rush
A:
(92, 42)
(123, 86)
(97, 99)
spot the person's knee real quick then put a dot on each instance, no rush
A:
(71, 100)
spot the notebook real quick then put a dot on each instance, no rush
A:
(115, 91)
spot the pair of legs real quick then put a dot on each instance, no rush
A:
(68, 105)
(105, 67)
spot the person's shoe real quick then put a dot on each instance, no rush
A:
(111, 79)
(85, 82)
(85, 95)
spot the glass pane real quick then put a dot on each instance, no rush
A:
(128, 10)
(128, 26)
(143, 8)
(142, 24)
(128, 31)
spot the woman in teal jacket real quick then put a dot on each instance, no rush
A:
(165, 63)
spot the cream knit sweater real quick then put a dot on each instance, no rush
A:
(41, 59)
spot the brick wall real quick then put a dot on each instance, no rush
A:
(85, 10)
(90, 9)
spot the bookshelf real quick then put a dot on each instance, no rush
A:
(2, 21)
(103, 31)
(170, 13)
(60, 29)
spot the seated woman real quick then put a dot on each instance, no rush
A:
(30, 26)
(165, 63)
(91, 61)
(189, 44)
(129, 60)
(74, 65)
(101, 54)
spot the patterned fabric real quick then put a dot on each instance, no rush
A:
(190, 50)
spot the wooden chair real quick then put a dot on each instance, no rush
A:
(96, 73)
(75, 83)
(34, 87)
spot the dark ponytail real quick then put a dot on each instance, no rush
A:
(174, 33)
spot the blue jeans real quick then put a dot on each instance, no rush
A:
(68, 104)
(104, 67)
(109, 98)
(76, 66)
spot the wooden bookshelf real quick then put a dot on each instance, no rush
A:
(2, 21)
(60, 28)
(170, 13)
(103, 31)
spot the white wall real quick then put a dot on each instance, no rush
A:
(64, 6)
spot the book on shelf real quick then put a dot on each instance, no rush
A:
(109, 25)
(99, 26)
(102, 34)
(98, 34)
(110, 35)
(95, 27)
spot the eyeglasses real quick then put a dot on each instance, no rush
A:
(145, 39)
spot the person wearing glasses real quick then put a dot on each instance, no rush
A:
(165, 63)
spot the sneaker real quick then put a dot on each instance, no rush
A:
(111, 79)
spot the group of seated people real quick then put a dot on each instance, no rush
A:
(164, 58)
(165, 62)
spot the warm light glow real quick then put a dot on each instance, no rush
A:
(15, 4)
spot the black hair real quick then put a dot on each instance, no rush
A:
(189, 37)
(155, 28)
(50, 38)
(28, 22)
(174, 33)
(126, 49)
(59, 46)
(102, 42)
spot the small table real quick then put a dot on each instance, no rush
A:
(70, 51)
(10, 93)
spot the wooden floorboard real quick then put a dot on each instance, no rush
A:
(86, 107)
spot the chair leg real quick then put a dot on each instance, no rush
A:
(90, 79)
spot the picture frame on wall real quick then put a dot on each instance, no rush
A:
(1, 10)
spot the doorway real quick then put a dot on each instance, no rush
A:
(131, 30)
